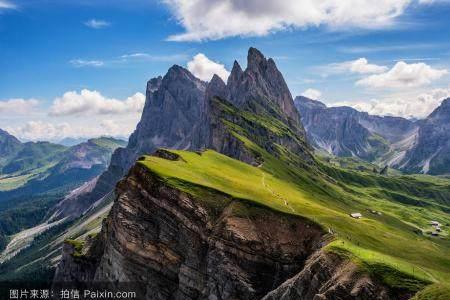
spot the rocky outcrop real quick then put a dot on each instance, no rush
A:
(174, 246)
(168, 244)
(328, 276)
(75, 267)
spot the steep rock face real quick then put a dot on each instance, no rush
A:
(344, 131)
(174, 246)
(431, 152)
(262, 83)
(256, 104)
(171, 113)
(170, 118)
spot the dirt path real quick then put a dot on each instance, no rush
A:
(278, 196)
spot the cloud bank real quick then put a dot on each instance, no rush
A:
(217, 19)
(18, 106)
(93, 103)
(50, 131)
(403, 75)
(402, 105)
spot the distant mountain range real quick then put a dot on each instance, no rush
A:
(23, 164)
(35, 176)
(412, 146)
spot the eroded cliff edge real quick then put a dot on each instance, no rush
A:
(173, 245)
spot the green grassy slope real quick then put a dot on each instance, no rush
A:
(388, 245)
(46, 173)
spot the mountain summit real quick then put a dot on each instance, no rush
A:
(254, 105)
(263, 84)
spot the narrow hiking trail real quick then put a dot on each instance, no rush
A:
(263, 180)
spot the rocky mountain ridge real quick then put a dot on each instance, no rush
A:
(411, 146)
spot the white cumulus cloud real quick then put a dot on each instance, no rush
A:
(18, 106)
(93, 103)
(404, 75)
(97, 24)
(204, 68)
(49, 131)
(38, 130)
(216, 19)
(360, 66)
(312, 94)
(402, 105)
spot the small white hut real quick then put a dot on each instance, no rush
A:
(356, 215)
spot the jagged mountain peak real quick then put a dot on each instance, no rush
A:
(262, 85)
(259, 92)
(255, 59)
(235, 75)
(216, 81)
(178, 73)
(216, 87)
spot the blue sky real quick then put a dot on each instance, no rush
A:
(79, 69)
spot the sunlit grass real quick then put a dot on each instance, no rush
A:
(386, 244)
